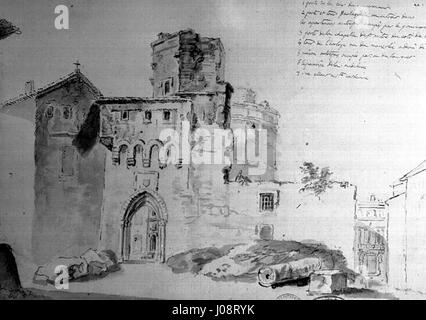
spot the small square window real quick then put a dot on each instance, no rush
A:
(266, 202)
(148, 115)
(67, 112)
(166, 115)
(125, 115)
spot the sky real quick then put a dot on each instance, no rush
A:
(368, 133)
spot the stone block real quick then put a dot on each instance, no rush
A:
(327, 282)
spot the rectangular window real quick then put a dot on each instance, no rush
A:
(166, 87)
(49, 112)
(125, 115)
(68, 161)
(166, 115)
(148, 116)
(266, 202)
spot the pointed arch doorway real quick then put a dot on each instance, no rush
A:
(143, 231)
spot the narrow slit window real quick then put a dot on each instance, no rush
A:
(148, 115)
(166, 87)
(68, 161)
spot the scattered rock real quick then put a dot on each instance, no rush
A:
(91, 265)
(359, 282)
(327, 282)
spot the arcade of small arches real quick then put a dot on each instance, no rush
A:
(139, 153)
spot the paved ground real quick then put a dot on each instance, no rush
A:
(151, 281)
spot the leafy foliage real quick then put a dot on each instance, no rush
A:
(315, 180)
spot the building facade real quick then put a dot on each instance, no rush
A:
(167, 194)
(192, 166)
(407, 231)
(252, 118)
(67, 180)
(371, 239)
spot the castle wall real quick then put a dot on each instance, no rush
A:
(129, 173)
(119, 188)
(231, 214)
(165, 66)
(192, 63)
(295, 216)
(248, 116)
(201, 63)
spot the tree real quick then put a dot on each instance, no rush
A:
(315, 180)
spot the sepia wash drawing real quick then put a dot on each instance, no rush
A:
(116, 190)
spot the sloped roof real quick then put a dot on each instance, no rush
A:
(124, 100)
(52, 86)
(420, 168)
(7, 29)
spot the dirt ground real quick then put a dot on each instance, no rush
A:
(150, 281)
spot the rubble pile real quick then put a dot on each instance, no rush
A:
(91, 265)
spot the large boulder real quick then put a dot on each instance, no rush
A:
(328, 282)
(100, 262)
(195, 259)
(286, 260)
(77, 268)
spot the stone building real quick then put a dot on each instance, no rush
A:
(156, 206)
(249, 116)
(407, 231)
(192, 166)
(371, 239)
(66, 185)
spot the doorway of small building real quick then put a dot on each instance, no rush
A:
(372, 264)
(143, 232)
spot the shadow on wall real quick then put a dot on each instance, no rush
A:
(89, 132)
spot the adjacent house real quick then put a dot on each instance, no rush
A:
(407, 231)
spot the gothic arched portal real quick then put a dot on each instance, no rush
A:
(143, 230)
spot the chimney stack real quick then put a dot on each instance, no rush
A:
(29, 87)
